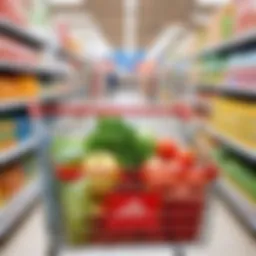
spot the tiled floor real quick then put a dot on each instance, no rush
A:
(226, 238)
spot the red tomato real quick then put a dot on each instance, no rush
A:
(155, 173)
(187, 158)
(211, 172)
(166, 148)
(196, 177)
(68, 173)
(177, 171)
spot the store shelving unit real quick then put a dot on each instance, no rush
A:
(224, 90)
(19, 150)
(240, 204)
(21, 202)
(17, 207)
(36, 42)
(50, 71)
(15, 104)
(244, 41)
(237, 147)
(245, 210)
(21, 35)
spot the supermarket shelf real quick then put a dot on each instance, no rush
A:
(18, 150)
(240, 205)
(29, 38)
(243, 41)
(40, 70)
(206, 88)
(22, 35)
(14, 104)
(225, 90)
(17, 207)
(235, 146)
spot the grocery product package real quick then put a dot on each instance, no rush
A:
(15, 127)
(245, 15)
(14, 11)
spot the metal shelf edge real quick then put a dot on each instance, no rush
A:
(23, 35)
(239, 204)
(223, 89)
(18, 206)
(238, 147)
(18, 150)
(39, 70)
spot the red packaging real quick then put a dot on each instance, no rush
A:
(133, 216)
(13, 10)
(246, 15)
(13, 51)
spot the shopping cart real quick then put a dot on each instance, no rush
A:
(128, 212)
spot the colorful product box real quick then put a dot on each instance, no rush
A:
(13, 10)
(7, 134)
(246, 15)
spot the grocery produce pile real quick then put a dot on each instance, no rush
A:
(119, 183)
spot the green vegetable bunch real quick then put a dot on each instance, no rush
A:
(116, 136)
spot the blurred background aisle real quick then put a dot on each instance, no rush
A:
(118, 116)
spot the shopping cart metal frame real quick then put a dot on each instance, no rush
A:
(56, 243)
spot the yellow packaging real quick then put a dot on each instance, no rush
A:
(7, 134)
(235, 119)
(29, 86)
(249, 125)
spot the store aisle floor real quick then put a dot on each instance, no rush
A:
(227, 238)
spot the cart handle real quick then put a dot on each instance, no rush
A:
(179, 110)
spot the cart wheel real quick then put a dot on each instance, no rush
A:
(179, 251)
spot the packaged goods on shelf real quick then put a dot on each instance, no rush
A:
(14, 127)
(12, 180)
(18, 87)
(240, 172)
(14, 11)
(221, 27)
(245, 15)
(212, 71)
(37, 11)
(13, 51)
(236, 70)
(236, 119)
(7, 134)
(241, 70)
(227, 24)
(15, 177)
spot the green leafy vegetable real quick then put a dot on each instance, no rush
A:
(115, 135)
